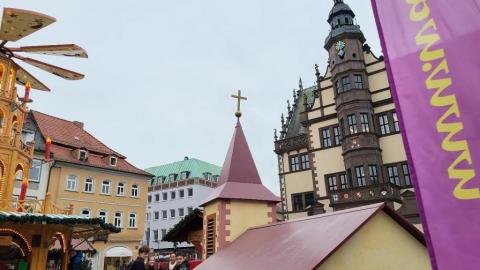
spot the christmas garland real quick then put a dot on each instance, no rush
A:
(30, 219)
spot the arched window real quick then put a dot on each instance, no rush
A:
(14, 126)
(89, 185)
(106, 187)
(72, 183)
(120, 189)
(134, 192)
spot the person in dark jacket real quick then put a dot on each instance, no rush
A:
(139, 263)
(182, 264)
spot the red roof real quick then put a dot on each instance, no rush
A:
(68, 136)
(298, 244)
(239, 178)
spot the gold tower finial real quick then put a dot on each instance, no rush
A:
(239, 98)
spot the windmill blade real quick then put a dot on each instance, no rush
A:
(70, 50)
(61, 72)
(19, 23)
(23, 77)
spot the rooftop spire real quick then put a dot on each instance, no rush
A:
(338, 1)
(300, 83)
(239, 98)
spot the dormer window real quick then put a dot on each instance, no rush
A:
(208, 176)
(82, 155)
(172, 177)
(184, 175)
(113, 161)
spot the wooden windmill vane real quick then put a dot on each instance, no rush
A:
(17, 24)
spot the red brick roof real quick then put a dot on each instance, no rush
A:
(67, 136)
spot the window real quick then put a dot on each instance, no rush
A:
(302, 201)
(343, 181)
(332, 183)
(352, 124)
(120, 189)
(35, 170)
(106, 187)
(364, 122)
(396, 126)
(326, 140)
(337, 136)
(117, 221)
(393, 175)
(85, 213)
(157, 197)
(305, 161)
(173, 195)
(172, 177)
(132, 220)
(358, 81)
(164, 196)
(155, 235)
(181, 212)
(360, 173)
(164, 214)
(181, 194)
(294, 163)
(384, 126)
(149, 198)
(337, 87)
(72, 182)
(346, 84)
(113, 161)
(102, 214)
(208, 176)
(161, 179)
(190, 192)
(82, 155)
(373, 172)
(184, 175)
(189, 210)
(406, 175)
(89, 185)
(164, 232)
(134, 192)
(28, 136)
(156, 215)
(172, 213)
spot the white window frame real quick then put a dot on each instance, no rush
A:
(136, 188)
(113, 161)
(174, 211)
(75, 182)
(183, 209)
(180, 192)
(89, 212)
(39, 171)
(106, 215)
(189, 210)
(174, 193)
(109, 187)
(115, 219)
(135, 225)
(80, 155)
(189, 196)
(155, 218)
(164, 200)
(92, 185)
(122, 194)
(165, 217)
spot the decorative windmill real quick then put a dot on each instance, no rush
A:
(17, 24)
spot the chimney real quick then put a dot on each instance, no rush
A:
(78, 124)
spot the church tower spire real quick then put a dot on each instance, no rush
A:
(239, 194)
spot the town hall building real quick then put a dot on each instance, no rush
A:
(340, 144)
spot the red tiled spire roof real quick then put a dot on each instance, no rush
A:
(239, 178)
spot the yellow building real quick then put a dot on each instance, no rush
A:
(340, 145)
(97, 181)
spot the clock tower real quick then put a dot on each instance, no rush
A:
(360, 145)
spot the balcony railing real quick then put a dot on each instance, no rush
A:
(377, 192)
(45, 206)
(297, 142)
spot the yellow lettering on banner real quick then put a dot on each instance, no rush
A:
(418, 15)
(439, 80)
(429, 40)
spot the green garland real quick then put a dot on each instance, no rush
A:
(30, 219)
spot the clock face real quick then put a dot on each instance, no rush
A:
(340, 46)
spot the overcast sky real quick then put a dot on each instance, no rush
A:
(160, 73)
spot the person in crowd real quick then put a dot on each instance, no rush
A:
(139, 263)
(75, 260)
(182, 263)
(173, 262)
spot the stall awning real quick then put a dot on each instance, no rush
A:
(118, 252)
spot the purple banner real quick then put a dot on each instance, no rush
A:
(432, 53)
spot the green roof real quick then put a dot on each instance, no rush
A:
(196, 169)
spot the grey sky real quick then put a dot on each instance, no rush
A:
(160, 73)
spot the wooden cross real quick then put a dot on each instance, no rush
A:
(239, 98)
